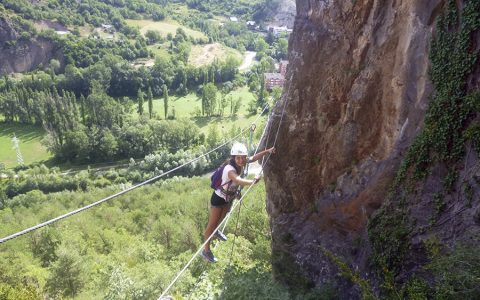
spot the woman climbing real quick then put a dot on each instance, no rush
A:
(222, 197)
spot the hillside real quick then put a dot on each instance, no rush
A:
(33, 33)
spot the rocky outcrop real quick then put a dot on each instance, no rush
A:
(20, 54)
(7, 33)
(355, 98)
(284, 14)
(26, 56)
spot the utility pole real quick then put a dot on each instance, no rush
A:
(17, 149)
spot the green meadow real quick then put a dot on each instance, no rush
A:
(30, 147)
(188, 106)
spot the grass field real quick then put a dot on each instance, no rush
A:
(159, 50)
(164, 27)
(30, 147)
(186, 106)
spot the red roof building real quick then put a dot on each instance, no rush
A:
(273, 79)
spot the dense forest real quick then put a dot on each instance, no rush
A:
(132, 247)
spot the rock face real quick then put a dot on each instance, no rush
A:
(19, 54)
(284, 14)
(355, 98)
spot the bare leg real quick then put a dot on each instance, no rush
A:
(213, 221)
(225, 210)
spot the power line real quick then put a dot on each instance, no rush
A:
(16, 146)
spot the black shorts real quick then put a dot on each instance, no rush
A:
(217, 201)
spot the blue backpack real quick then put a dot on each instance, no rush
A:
(216, 178)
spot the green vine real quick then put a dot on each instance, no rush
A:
(473, 132)
(348, 273)
(451, 110)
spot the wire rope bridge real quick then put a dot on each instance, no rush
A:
(223, 223)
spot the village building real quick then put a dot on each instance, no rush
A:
(251, 25)
(276, 30)
(273, 79)
(108, 28)
(276, 79)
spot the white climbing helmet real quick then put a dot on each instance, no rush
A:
(238, 149)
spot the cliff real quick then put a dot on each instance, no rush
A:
(357, 92)
(284, 14)
(21, 52)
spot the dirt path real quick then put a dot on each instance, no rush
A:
(247, 60)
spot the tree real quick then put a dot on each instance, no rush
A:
(163, 71)
(153, 36)
(236, 105)
(183, 51)
(260, 45)
(140, 101)
(98, 74)
(76, 146)
(66, 274)
(82, 109)
(54, 67)
(103, 109)
(223, 104)
(282, 48)
(230, 68)
(165, 100)
(276, 94)
(210, 94)
(106, 147)
(227, 87)
(213, 136)
(150, 102)
(204, 100)
(43, 245)
(261, 96)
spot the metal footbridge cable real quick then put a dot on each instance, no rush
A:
(25, 231)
